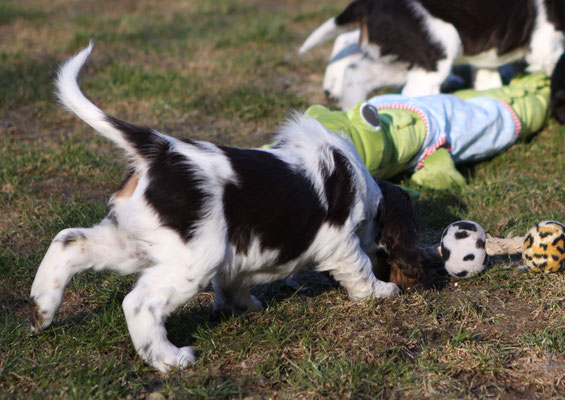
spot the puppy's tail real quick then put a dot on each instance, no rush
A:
(137, 141)
(355, 12)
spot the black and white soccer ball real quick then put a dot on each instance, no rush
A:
(463, 249)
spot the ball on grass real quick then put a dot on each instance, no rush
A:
(463, 249)
(544, 247)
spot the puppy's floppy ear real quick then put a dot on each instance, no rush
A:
(399, 232)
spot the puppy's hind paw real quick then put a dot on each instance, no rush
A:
(187, 357)
(39, 319)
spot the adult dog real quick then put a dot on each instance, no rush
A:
(191, 213)
(415, 43)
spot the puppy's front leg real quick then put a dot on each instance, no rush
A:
(233, 296)
(352, 268)
(158, 293)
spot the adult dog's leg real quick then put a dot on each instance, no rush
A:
(352, 268)
(421, 82)
(546, 44)
(484, 78)
(75, 250)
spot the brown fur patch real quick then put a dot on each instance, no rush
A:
(388, 271)
(404, 282)
(35, 317)
(128, 187)
(364, 38)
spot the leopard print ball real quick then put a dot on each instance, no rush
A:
(463, 249)
(544, 247)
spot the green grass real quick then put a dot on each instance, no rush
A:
(24, 79)
(227, 71)
(11, 11)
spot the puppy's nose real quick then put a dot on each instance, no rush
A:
(461, 274)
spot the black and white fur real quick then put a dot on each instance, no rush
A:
(192, 212)
(415, 43)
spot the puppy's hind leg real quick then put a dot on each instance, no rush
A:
(159, 291)
(352, 268)
(72, 251)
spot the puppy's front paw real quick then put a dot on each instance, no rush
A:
(386, 289)
(246, 305)
(239, 306)
(256, 304)
(171, 358)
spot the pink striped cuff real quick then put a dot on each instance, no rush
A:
(409, 108)
(517, 123)
(442, 142)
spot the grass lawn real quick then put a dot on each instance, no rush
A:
(228, 72)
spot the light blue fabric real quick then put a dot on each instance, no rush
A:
(471, 130)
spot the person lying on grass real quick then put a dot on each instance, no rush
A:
(428, 135)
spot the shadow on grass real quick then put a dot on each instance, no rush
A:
(439, 209)
(183, 327)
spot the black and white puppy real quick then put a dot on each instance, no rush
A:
(415, 43)
(192, 212)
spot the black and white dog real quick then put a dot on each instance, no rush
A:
(192, 212)
(415, 43)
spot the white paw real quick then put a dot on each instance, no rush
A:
(386, 289)
(171, 358)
